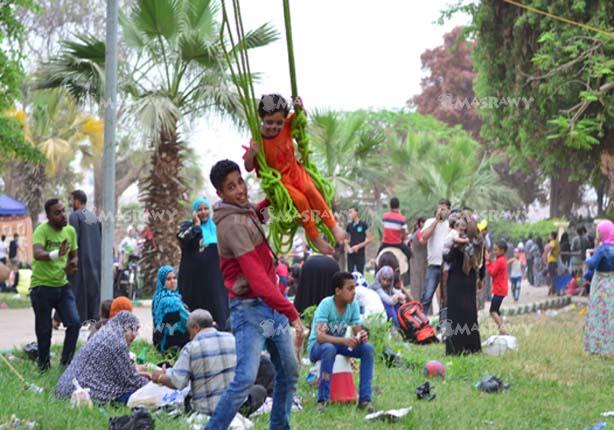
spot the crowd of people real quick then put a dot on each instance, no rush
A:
(226, 315)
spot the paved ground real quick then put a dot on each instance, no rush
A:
(17, 325)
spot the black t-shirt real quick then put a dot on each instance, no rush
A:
(358, 234)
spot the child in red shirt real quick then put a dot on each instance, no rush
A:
(276, 134)
(497, 270)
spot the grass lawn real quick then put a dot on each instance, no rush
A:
(554, 385)
(14, 300)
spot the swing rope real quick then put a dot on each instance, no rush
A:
(285, 218)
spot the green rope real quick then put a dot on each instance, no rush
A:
(285, 217)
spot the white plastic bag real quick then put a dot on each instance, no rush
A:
(81, 396)
(499, 345)
(150, 395)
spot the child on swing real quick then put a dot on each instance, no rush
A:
(276, 131)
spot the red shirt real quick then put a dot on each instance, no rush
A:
(394, 224)
(498, 272)
(282, 269)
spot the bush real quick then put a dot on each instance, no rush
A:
(517, 232)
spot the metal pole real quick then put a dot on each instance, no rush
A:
(108, 168)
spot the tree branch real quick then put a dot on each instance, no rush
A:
(581, 107)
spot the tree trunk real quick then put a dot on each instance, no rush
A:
(30, 187)
(162, 192)
(563, 194)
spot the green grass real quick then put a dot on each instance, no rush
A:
(14, 300)
(554, 385)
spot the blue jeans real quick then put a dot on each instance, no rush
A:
(254, 325)
(431, 280)
(44, 300)
(516, 287)
(391, 312)
(326, 352)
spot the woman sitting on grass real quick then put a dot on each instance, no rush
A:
(103, 364)
(392, 298)
(170, 314)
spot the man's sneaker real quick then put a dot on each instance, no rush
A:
(321, 407)
(366, 406)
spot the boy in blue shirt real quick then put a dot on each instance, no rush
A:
(330, 322)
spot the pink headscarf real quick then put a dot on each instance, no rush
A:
(605, 229)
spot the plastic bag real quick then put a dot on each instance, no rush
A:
(499, 345)
(31, 350)
(392, 415)
(150, 395)
(81, 396)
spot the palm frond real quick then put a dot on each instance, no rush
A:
(156, 112)
(261, 36)
(79, 69)
(198, 17)
(156, 18)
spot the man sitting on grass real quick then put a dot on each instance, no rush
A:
(330, 322)
(208, 361)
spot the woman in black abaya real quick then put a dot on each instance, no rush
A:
(466, 267)
(200, 280)
(316, 281)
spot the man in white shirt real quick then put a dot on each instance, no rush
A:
(434, 234)
(3, 250)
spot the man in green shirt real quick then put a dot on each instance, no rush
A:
(55, 257)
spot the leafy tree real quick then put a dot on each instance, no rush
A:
(12, 144)
(564, 72)
(447, 94)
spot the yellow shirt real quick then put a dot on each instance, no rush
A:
(555, 249)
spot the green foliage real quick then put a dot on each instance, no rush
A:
(561, 75)
(307, 316)
(517, 232)
(12, 142)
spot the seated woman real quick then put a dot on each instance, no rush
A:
(170, 315)
(392, 298)
(103, 364)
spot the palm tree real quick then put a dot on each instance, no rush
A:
(173, 71)
(55, 127)
(79, 69)
(446, 162)
(181, 73)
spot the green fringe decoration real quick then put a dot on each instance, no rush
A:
(285, 218)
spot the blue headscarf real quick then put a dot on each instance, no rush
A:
(208, 227)
(165, 302)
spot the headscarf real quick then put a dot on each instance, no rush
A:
(119, 304)
(605, 229)
(208, 227)
(384, 272)
(165, 302)
(103, 364)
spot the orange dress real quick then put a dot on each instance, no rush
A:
(279, 153)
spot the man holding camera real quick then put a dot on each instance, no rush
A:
(434, 234)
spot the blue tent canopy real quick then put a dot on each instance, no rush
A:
(9, 206)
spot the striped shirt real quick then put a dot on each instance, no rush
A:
(394, 224)
(208, 362)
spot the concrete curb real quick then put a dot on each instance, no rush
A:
(542, 305)
(551, 303)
